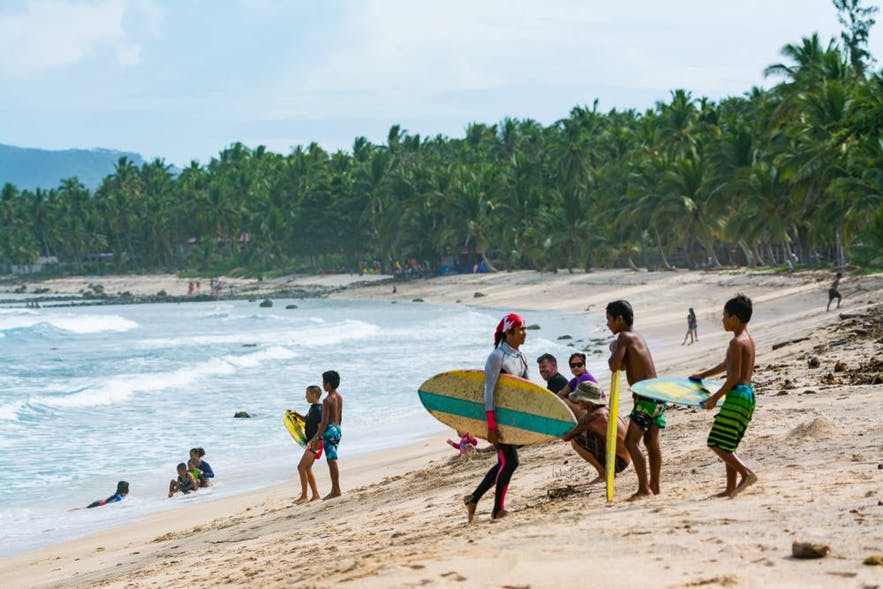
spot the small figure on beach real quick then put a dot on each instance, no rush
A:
(122, 491)
(505, 358)
(731, 422)
(547, 365)
(692, 326)
(328, 432)
(190, 287)
(589, 436)
(185, 483)
(468, 443)
(205, 468)
(833, 293)
(313, 451)
(629, 351)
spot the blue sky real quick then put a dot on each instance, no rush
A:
(183, 79)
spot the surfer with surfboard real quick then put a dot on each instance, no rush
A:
(313, 449)
(505, 358)
(629, 351)
(731, 422)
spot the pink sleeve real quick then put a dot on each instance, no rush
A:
(491, 420)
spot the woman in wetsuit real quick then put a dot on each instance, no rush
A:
(506, 358)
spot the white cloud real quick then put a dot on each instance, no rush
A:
(43, 35)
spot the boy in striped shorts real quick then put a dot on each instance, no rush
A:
(735, 414)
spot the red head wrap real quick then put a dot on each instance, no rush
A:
(508, 322)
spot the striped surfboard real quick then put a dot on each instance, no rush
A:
(526, 412)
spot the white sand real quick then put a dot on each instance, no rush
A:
(815, 443)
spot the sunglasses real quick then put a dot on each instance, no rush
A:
(577, 365)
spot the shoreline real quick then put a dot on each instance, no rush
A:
(416, 489)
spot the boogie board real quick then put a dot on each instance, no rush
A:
(295, 424)
(526, 412)
(681, 391)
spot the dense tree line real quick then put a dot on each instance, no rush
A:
(793, 173)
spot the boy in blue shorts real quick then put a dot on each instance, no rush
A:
(731, 422)
(329, 428)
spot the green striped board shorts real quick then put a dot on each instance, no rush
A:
(733, 419)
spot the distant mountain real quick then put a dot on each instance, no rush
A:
(28, 168)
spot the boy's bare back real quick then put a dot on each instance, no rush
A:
(332, 406)
(632, 353)
(740, 357)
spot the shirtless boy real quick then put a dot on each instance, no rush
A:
(738, 408)
(329, 428)
(629, 351)
(589, 436)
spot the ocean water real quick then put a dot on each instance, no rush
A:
(95, 394)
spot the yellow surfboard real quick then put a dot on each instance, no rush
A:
(295, 423)
(526, 413)
(612, 422)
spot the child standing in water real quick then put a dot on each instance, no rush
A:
(731, 422)
(314, 448)
(629, 351)
(506, 358)
(328, 432)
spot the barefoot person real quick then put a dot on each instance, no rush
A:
(629, 351)
(329, 429)
(506, 358)
(589, 436)
(738, 408)
(833, 292)
(314, 448)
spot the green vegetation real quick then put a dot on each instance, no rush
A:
(793, 173)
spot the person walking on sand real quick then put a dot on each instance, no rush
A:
(691, 328)
(630, 351)
(833, 293)
(505, 358)
(731, 422)
(329, 432)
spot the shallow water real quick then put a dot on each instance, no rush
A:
(92, 395)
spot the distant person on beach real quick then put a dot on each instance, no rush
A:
(185, 483)
(547, 365)
(313, 450)
(629, 351)
(329, 432)
(122, 491)
(589, 436)
(196, 455)
(468, 443)
(506, 358)
(731, 422)
(692, 326)
(833, 293)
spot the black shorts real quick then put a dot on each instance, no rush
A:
(595, 445)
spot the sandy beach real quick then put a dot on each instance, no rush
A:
(816, 444)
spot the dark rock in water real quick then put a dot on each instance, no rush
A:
(252, 300)
(291, 306)
(809, 550)
(249, 345)
(533, 326)
(162, 293)
(565, 336)
(266, 303)
(840, 366)
(478, 295)
(416, 300)
(241, 414)
(813, 362)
